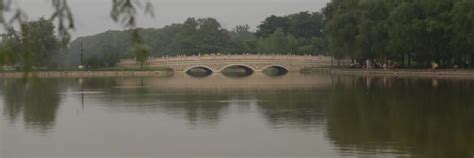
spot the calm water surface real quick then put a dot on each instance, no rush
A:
(293, 115)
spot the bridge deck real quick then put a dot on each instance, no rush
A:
(216, 63)
(231, 57)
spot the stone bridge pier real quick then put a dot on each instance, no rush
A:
(218, 63)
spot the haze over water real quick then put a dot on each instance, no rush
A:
(294, 115)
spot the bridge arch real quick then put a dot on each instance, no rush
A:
(240, 65)
(275, 70)
(275, 66)
(199, 66)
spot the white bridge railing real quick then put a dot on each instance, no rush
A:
(221, 57)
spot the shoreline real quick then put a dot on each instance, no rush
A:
(439, 73)
(79, 74)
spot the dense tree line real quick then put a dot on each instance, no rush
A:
(194, 36)
(300, 33)
(293, 34)
(23, 52)
(409, 32)
(36, 46)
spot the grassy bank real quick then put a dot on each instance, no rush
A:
(91, 69)
(445, 73)
(103, 72)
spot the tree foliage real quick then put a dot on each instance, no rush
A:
(303, 24)
(35, 46)
(140, 49)
(242, 40)
(123, 11)
(406, 31)
(9, 47)
(39, 40)
(277, 42)
(301, 30)
(204, 36)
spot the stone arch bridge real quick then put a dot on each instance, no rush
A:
(217, 63)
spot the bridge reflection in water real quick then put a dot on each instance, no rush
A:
(219, 81)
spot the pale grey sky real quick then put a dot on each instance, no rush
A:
(92, 16)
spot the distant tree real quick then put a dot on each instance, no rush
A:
(243, 31)
(318, 46)
(111, 58)
(271, 24)
(242, 40)
(140, 49)
(291, 45)
(212, 38)
(39, 42)
(123, 11)
(305, 24)
(422, 31)
(438, 32)
(462, 42)
(299, 28)
(372, 38)
(341, 28)
(278, 42)
(406, 25)
(10, 47)
(300, 25)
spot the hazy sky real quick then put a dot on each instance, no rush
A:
(92, 16)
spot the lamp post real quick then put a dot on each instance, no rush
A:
(81, 66)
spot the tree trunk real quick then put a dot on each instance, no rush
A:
(409, 60)
(441, 63)
(462, 62)
(332, 61)
(471, 60)
(403, 60)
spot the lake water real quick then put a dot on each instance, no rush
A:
(294, 115)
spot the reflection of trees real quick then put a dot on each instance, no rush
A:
(194, 106)
(98, 83)
(197, 108)
(302, 108)
(412, 117)
(36, 99)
